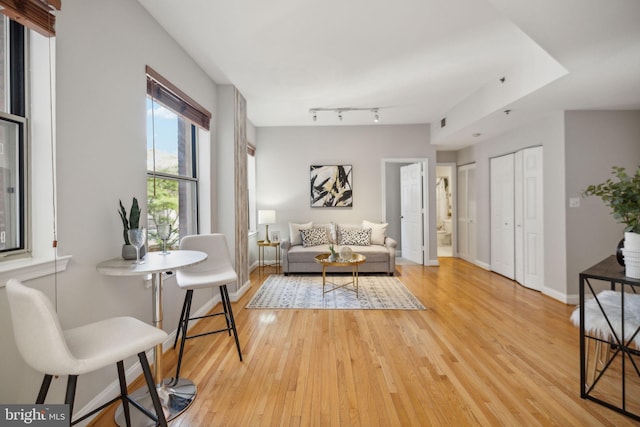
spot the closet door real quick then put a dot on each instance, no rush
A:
(530, 219)
(502, 215)
(466, 212)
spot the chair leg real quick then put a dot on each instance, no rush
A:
(225, 309)
(123, 393)
(231, 318)
(44, 389)
(185, 325)
(184, 307)
(71, 394)
(153, 392)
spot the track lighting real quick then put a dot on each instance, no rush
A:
(340, 112)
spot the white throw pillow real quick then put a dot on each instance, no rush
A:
(294, 232)
(378, 231)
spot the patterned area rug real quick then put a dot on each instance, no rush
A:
(375, 292)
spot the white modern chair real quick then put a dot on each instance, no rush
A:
(52, 351)
(215, 271)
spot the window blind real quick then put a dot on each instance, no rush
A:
(37, 15)
(163, 91)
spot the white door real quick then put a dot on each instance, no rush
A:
(411, 212)
(466, 213)
(530, 219)
(502, 216)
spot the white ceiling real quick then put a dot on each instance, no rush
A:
(416, 60)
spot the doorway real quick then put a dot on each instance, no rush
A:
(445, 195)
(391, 203)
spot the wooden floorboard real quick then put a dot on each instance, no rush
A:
(486, 352)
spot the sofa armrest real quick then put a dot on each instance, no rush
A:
(390, 242)
(285, 244)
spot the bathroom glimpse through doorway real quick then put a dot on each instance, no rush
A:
(445, 196)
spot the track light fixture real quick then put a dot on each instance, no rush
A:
(339, 111)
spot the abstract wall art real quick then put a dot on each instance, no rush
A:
(331, 186)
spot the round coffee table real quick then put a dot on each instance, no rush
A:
(353, 262)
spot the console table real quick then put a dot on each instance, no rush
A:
(623, 363)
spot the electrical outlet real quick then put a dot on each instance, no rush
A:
(574, 202)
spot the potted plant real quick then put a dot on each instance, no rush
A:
(133, 221)
(622, 195)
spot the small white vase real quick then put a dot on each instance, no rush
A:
(632, 241)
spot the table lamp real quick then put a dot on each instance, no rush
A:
(267, 217)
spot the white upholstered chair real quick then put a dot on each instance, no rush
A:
(215, 271)
(49, 349)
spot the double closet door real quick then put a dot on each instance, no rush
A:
(517, 217)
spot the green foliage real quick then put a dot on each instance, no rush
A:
(622, 196)
(132, 222)
(162, 206)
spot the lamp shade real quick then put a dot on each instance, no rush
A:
(266, 217)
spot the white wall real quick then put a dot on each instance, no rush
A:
(548, 132)
(284, 155)
(595, 142)
(102, 50)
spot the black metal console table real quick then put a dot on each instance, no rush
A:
(623, 354)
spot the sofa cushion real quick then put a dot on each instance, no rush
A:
(300, 254)
(356, 237)
(374, 253)
(294, 232)
(378, 231)
(314, 236)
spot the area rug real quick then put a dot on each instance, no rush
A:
(305, 291)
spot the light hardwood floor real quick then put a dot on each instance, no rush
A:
(486, 352)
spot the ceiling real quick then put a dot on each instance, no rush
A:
(418, 61)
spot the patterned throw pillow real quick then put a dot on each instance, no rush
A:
(314, 237)
(356, 237)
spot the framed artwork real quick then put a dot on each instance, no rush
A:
(275, 236)
(331, 186)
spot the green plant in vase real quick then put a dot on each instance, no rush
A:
(133, 221)
(622, 195)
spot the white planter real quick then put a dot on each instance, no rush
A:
(632, 241)
(632, 270)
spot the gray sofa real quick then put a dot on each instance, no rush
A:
(300, 258)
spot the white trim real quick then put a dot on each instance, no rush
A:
(30, 268)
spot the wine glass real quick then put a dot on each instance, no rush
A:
(164, 231)
(137, 237)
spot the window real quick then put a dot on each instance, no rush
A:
(13, 140)
(172, 158)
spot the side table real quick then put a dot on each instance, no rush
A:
(623, 357)
(261, 262)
